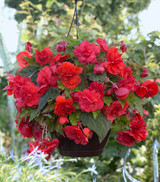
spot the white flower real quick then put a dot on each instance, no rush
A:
(93, 170)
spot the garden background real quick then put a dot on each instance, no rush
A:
(43, 22)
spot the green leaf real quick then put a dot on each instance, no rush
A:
(74, 117)
(30, 71)
(52, 93)
(49, 3)
(67, 93)
(58, 128)
(100, 125)
(121, 124)
(33, 114)
(97, 77)
(31, 61)
(95, 113)
(107, 100)
(60, 85)
(75, 104)
(135, 102)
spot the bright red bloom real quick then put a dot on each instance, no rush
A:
(61, 46)
(88, 132)
(113, 55)
(63, 120)
(29, 95)
(9, 88)
(144, 72)
(86, 52)
(147, 89)
(103, 44)
(125, 138)
(24, 90)
(20, 58)
(47, 77)
(25, 127)
(128, 83)
(63, 106)
(115, 67)
(123, 47)
(46, 146)
(152, 88)
(90, 100)
(99, 68)
(98, 87)
(69, 74)
(28, 46)
(58, 59)
(122, 92)
(114, 110)
(141, 91)
(44, 57)
(74, 133)
(114, 64)
(138, 128)
(126, 72)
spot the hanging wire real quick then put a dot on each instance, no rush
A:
(77, 20)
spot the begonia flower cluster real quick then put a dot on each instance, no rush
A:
(54, 87)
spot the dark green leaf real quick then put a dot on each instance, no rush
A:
(97, 77)
(60, 85)
(52, 93)
(33, 113)
(135, 102)
(30, 71)
(100, 125)
(107, 100)
(58, 128)
(74, 117)
(95, 113)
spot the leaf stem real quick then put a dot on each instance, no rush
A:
(33, 73)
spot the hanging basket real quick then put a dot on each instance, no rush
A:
(69, 148)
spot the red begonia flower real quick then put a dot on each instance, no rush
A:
(114, 110)
(113, 55)
(44, 57)
(152, 88)
(115, 67)
(69, 74)
(99, 69)
(144, 72)
(98, 87)
(63, 120)
(125, 138)
(126, 72)
(63, 106)
(47, 77)
(123, 47)
(61, 46)
(28, 46)
(20, 58)
(74, 133)
(45, 146)
(122, 92)
(25, 127)
(90, 100)
(103, 44)
(86, 52)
